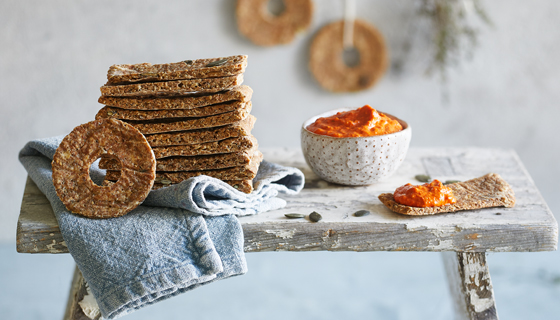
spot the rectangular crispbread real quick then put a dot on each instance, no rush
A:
(139, 115)
(175, 87)
(183, 124)
(484, 192)
(187, 69)
(193, 163)
(236, 129)
(245, 172)
(216, 147)
(240, 93)
(245, 186)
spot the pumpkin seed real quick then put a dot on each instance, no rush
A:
(451, 181)
(165, 181)
(216, 63)
(361, 213)
(315, 216)
(423, 177)
(294, 215)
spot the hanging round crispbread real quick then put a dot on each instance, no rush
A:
(326, 57)
(265, 29)
(83, 146)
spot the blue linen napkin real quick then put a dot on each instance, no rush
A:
(181, 237)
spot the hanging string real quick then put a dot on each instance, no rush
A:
(349, 17)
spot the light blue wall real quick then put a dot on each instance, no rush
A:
(54, 56)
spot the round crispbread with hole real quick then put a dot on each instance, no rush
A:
(327, 63)
(82, 147)
(265, 29)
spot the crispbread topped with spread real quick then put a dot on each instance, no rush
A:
(187, 69)
(87, 143)
(484, 192)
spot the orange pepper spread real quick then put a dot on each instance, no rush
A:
(433, 194)
(362, 122)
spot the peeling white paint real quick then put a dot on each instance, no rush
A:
(307, 245)
(415, 226)
(333, 238)
(284, 234)
(480, 304)
(256, 243)
(473, 270)
(52, 249)
(503, 249)
(89, 305)
(367, 244)
(442, 233)
(441, 245)
(336, 244)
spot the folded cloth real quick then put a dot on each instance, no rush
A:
(181, 237)
(209, 196)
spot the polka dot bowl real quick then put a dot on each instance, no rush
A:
(354, 161)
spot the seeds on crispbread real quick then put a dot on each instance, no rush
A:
(241, 93)
(484, 192)
(85, 144)
(175, 87)
(195, 114)
(187, 69)
(245, 186)
(183, 124)
(223, 146)
(193, 163)
(139, 115)
(236, 129)
(246, 172)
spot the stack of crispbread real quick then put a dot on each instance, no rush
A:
(195, 115)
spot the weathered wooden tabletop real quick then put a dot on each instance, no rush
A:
(529, 226)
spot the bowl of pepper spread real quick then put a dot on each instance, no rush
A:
(355, 146)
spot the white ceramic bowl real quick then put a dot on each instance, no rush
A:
(354, 161)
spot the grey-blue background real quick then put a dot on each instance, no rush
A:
(54, 56)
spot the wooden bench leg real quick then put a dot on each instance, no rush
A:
(80, 300)
(470, 285)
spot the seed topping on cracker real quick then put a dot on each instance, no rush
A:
(82, 147)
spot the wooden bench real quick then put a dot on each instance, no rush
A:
(463, 237)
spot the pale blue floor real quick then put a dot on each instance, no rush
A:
(312, 285)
